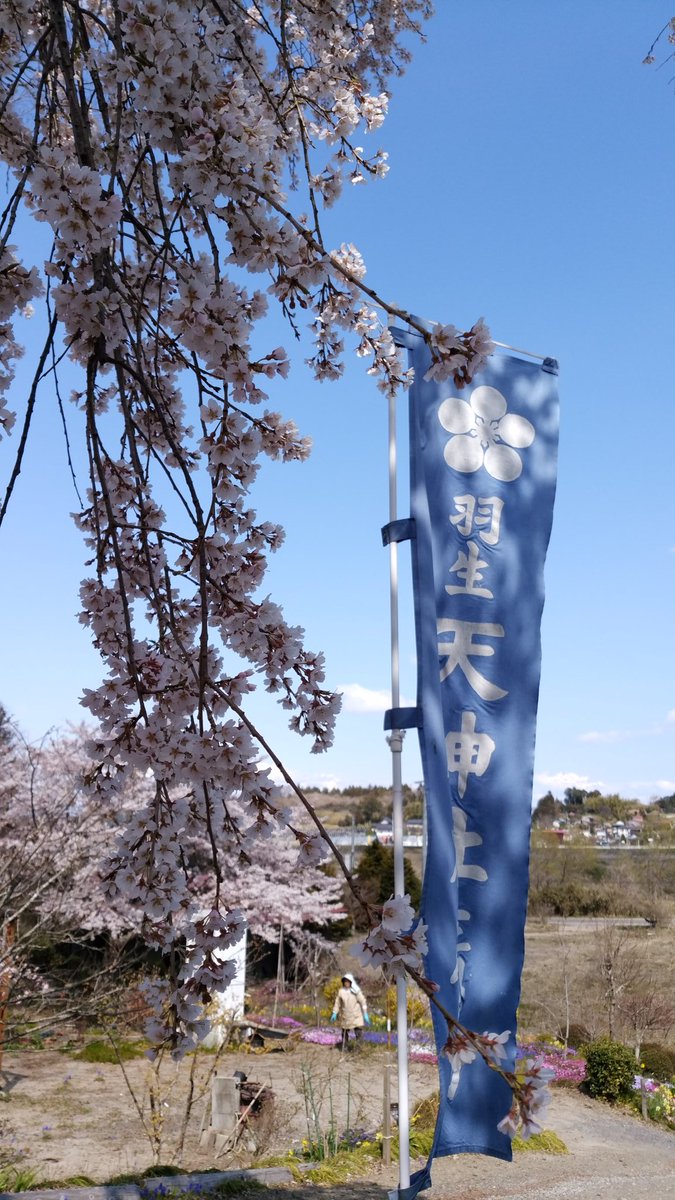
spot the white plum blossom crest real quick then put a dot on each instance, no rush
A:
(485, 434)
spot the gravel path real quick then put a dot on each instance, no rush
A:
(77, 1119)
(612, 1156)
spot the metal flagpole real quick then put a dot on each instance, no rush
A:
(396, 746)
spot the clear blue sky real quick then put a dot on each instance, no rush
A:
(532, 180)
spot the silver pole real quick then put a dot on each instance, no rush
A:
(425, 830)
(396, 747)
(352, 855)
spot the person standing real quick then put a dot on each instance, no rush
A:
(350, 1009)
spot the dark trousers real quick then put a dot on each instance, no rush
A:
(345, 1036)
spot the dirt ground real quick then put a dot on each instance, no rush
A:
(79, 1119)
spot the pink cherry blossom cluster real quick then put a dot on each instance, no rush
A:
(529, 1083)
(462, 1047)
(530, 1099)
(395, 943)
(458, 355)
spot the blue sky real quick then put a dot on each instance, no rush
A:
(531, 182)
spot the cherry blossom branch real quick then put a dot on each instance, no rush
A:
(312, 847)
(157, 140)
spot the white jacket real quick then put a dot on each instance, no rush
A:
(350, 1009)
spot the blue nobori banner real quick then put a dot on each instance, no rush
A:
(483, 468)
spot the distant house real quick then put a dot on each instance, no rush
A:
(620, 832)
(383, 832)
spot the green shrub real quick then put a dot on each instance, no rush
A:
(100, 1051)
(574, 898)
(610, 1070)
(658, 1061)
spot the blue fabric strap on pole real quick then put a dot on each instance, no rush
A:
(418, 1182)
(402, 718)
(398, 531)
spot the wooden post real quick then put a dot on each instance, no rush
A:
(281, 976)
(643, 1096)
(386, 1124)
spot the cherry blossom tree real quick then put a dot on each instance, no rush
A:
(173, 150)
(53, 833)
(276, 894)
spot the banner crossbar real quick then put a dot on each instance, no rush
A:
(400, 341)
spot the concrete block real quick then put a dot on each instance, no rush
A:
(224, 1103)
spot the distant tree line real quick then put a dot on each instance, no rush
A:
(373, 802)
(578, 802)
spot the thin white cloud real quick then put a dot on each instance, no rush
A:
(666, 785)
(606, 737)
(560, 780)
(316, 782)
(359, 699)
(609, 737)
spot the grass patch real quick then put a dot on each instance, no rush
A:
(426, 1112)
(421, 1141)
(100, 1051)
(546, 1142)
(346, 1164)
(290, 1162)
(71, 1182)
(237, 1187)
(17, 1179)
(156, 1172)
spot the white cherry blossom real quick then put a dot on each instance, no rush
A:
(531, 1098)
(397, 914)
(459, 1050)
